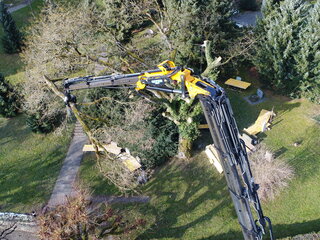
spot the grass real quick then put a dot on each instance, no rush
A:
(189, 200)
(29, 165)
(92, 178)
(29, 162)
(11, 64)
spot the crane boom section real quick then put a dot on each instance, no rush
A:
(223, 128)
(167, 74)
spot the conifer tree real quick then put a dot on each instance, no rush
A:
(8, 99)
(120, 18)
(308, 57)
(278, 43)
(12, 39)
(199, 21)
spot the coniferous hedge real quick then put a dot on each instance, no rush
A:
(12, 39)
(9, 105)
(287, 49)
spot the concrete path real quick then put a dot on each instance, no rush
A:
(68, 173)
(22, 5)
(114, 199)
(20, 235)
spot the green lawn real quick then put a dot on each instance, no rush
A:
(92, 178)
(29, 164)
(190, 199)
(10, 64)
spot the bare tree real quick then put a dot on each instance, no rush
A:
(70, 40)
(78, 219)
(272, 174)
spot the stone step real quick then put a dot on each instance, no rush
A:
(78, 130)
(79, 135)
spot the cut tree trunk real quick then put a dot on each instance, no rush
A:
(185, 146)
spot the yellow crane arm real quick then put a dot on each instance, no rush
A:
(216, 107)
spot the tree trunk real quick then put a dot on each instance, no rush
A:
(185, 146)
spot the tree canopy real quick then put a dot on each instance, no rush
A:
(287, 48)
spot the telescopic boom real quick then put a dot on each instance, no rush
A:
(223, 128)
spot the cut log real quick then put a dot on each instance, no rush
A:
(213, 157)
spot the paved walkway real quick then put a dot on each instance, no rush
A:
(19, 6)
(20, 235)
(68, 173)
(114, 199)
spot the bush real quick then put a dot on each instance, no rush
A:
(309, 236)
(41, 124)
(134, 124)
(165, 135)
(271, 174)
(9, 104)
(78, 219)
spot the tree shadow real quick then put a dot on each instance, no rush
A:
(201, 188)
(309, 152)
(280, 151)
(30, 164)
(279, 230)
(13, 128)
(31, 182)
(247, 114)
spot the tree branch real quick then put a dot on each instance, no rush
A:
(97, 60)
(160, 30)
(103, 99)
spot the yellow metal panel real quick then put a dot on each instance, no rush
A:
(238, 84)
(132, 164)
(203, 126)
(112, 148)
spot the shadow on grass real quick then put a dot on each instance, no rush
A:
(14, 127)
(305, 159)
(279, 231)
(92, 178)
(31, 181)
(29, 164)
(176, 205)
(247, 114)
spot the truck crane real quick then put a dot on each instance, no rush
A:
(169, 78)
